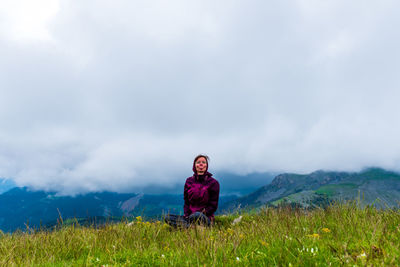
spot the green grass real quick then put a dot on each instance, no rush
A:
(380, 174)
(343, 234)
(304, 196)
(331, 189)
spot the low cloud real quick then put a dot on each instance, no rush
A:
(124, 96)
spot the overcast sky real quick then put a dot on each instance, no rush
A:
(113, 95)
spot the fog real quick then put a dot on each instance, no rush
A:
(99, 95)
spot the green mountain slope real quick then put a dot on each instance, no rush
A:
(372, 186)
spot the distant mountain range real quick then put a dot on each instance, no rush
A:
(22, 208)
(372, 186)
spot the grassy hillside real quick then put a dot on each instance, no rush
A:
(343, 234)
(372, 186)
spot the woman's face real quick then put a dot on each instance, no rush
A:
(201, 165)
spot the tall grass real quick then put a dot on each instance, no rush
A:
(342, 234)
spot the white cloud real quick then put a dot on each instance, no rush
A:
(24, 20)
(126, 93)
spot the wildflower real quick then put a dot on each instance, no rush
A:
(314, 235)
(237, 259)
(326, 230)
(265, 244)
(139, 218)
(362, 255)
(241, 236)
(237, 220)
(288, 237)
(162, 256)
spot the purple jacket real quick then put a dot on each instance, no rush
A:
(201, 195)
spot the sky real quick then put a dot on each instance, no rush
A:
(117, 95)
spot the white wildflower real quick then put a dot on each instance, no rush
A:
(237, 220)
(237, 259)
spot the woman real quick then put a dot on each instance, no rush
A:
(201, 194)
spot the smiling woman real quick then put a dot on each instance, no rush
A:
(201, 196)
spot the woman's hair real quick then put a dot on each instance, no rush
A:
(201, 156)
(196, 158)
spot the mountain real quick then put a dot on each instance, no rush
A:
(242, 184)
(6, 184)
(373, 186)
(230, 183)
(20, 207)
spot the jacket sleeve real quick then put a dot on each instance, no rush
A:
(186, 209)
(212, 205)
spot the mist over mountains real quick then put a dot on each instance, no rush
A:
(124, 94)
(23, 207)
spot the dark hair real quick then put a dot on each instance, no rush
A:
(201, 156)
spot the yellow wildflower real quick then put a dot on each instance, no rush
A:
(314, 235)
(326, 230)
(265, 244)
(139, 218)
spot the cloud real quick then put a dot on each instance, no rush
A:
(24, 20)
(99, 96)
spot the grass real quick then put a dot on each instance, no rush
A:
(331, 189)
(342, 234)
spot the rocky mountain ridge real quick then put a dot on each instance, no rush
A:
(374, 185)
